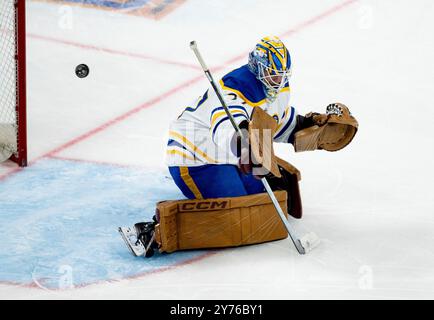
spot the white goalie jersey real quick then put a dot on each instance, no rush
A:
(202, 134)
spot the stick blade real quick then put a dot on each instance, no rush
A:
(310, 241)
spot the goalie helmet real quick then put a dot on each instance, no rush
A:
(270, 62)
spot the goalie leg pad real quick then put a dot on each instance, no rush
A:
(221, 222)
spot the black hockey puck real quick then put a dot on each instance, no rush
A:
(82, 71)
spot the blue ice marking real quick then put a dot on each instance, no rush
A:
(59, 219)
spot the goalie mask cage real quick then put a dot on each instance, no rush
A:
(13, 136)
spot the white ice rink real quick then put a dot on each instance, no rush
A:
(371, 204)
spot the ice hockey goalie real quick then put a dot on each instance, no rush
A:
(219, 173)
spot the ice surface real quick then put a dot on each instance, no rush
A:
(371, 204)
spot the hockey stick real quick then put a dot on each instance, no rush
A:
(291, 231)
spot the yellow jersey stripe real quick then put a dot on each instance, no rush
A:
(189, 144)
(188, 180)
(180, 153)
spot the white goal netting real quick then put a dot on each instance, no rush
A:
(8, 81)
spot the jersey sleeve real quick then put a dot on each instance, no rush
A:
(284, 132)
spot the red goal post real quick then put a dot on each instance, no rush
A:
(13, 127)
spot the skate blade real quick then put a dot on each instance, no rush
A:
(130, 238)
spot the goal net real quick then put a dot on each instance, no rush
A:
(12, 81)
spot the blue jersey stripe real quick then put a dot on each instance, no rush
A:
(205, 96)
(227, 118)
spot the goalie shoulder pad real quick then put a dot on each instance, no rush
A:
(331, 131)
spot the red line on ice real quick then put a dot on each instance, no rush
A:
(9, 173)
(123, 116)
(120, 165)
(300, 26)
(33, 285)
(112, 51)
(317, 18)
(159, 270)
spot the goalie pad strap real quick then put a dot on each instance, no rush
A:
(288, 167)
(221, 222)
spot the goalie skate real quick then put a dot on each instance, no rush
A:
(135, 246)
(140, 240)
